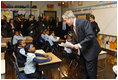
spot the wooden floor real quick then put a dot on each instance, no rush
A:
(71, 72)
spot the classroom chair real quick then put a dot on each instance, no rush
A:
(20, 68)
(102, 56)
(22, 75)
(8, 61)
(18, 74)
(67, 57)
(48, 48)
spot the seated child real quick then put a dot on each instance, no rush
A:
(21, 53)
(43, 34)
(69, 54)
(20, 34)
(17, 37)
(30, 65)
(52, 38)
(46, 35)
(42, 37)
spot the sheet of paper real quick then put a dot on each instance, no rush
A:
(110, 39)
(100, 37)
(113, 39)
(39, 51)
(66, 45)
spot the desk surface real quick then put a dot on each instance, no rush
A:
(5, 40)
(2, 55)
(55, 59)
(40, 51)
(28, 39)
(60, 40)
(3, 67)
(3, 44)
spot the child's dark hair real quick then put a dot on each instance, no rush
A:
(51, 32)
(69, 35)
(27, 47)
(19, 42)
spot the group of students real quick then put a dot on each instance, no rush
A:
(27, 58)
(49, 36)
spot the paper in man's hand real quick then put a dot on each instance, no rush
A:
(66, 45)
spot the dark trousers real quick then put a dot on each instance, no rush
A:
(37, 75)
(89, 68)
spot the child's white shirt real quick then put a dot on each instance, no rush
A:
(52, 39)
(68, 50)
(43, 36)
(30, 64)
(46, 37)
(16, 38)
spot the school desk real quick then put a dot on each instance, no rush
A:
(5, 40)
(3, 45)
(54, 63)
(60, 40)
(29, 39)
(2, 67)
(2, 55)
(40, 51)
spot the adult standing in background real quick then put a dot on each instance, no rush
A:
(94, 25)
(12, 27)
(85, 41)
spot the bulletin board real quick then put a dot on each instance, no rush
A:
(10, 12)
(33, 12)
(107, 41)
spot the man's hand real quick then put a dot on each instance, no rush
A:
(75, 46)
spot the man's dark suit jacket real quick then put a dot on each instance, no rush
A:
(85, 36)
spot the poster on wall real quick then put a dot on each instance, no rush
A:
(13, 13)
(35, 13)
(8, 14)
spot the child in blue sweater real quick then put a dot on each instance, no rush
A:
(30, 65)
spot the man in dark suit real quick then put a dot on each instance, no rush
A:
(85, 41)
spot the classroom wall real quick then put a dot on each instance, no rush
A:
(41, 5)
(74, 4)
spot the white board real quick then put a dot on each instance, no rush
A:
(107, 20)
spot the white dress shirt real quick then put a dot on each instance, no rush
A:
(74, 28)
(16, 38)
(46, 37)
(30, 64)
(68, 50)
(64, 26)
(52, 39)
(43, 36)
